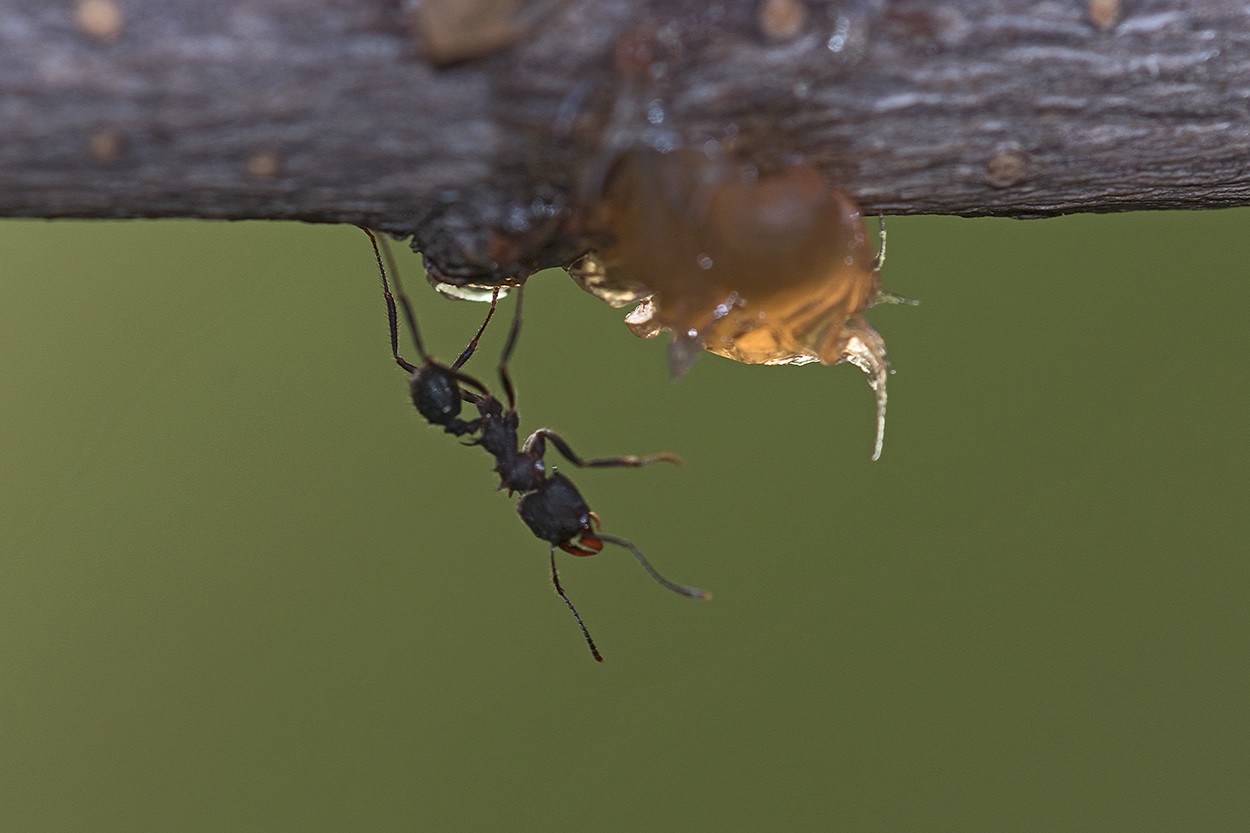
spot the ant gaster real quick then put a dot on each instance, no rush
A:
(550, 505)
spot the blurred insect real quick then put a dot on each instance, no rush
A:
(550, 505)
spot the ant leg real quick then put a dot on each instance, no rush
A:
(405, 303)
(691, 592)
(537, 444)
(508, 388)
(411, 317)
(467, 353)
(555, 579)
(391, 317)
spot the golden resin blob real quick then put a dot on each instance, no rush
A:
(763, 268)
(456, 30)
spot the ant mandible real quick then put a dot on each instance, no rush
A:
(550, 505)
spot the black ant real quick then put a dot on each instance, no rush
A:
(550, 505)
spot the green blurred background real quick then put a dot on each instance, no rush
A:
(244, 587)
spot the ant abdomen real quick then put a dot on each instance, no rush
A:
(436, 393)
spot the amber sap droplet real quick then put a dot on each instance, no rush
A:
(1104, 13)
(781, 20)
(456, 30)
(771, 268)
(101, 20)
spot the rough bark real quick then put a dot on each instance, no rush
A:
(328, 111)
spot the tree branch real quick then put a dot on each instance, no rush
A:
(334, 112)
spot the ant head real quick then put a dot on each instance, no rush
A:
(557, 513)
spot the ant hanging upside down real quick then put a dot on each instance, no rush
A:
(550, 504)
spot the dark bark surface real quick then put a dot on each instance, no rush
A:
(333, 112)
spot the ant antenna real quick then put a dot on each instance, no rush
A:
(691, 592)
(555, 579)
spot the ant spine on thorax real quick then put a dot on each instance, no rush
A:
(550, 505)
